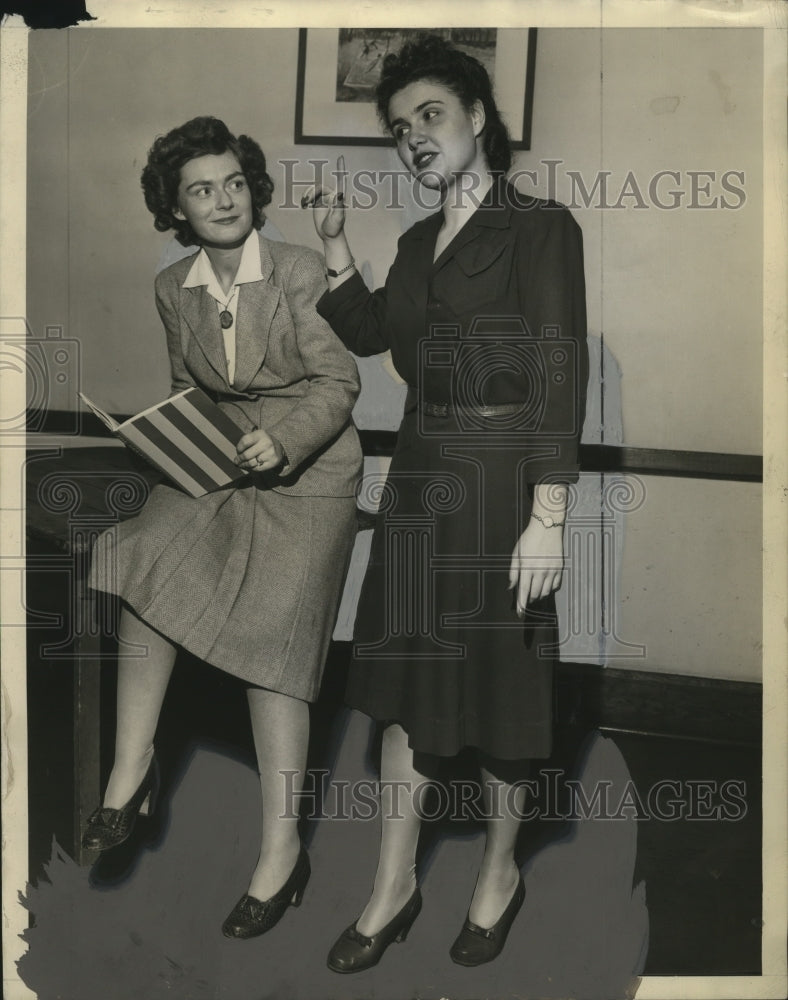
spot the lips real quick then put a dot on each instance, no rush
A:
(423, 159)
(226, 221)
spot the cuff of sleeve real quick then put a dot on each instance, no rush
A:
(563, 467)
(567, 477)
(330, 301)
(288, 465)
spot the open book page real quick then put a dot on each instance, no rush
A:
(105, 418)
(156, 406)
(113, 425)
(187, 437)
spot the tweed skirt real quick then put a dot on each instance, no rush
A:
(247, 579)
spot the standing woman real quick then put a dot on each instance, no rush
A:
(484, 313)
(249, 577)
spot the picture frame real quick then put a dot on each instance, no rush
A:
(338, 68)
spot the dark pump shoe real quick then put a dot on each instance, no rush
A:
(252, 917)
(354, 952)
(110, 827)
(476, 945)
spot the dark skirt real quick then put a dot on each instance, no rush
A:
(438, 645)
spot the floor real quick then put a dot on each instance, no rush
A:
(685, 813)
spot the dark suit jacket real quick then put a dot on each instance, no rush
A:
(499, 317)
(293, 377)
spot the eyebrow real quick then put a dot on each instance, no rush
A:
(229, 177)
(419, 107)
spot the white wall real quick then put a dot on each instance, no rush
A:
(689, 584)
(675, 293)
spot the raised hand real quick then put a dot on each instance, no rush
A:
(328, 205)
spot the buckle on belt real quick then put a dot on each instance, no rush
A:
(492, 410)
(412, 401)
(436, 409)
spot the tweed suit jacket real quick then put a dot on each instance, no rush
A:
(293, 377)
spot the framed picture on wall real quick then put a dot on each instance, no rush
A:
(338, 70)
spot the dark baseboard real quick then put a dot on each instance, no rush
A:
(656, 704)
(671, 462)
(612, 699)
(593, 457)
(70, 423)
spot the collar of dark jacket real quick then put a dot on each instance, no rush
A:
(494, 212)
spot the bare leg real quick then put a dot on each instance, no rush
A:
(498, 875)
(280, 726)
(395, 878)
(143, 675)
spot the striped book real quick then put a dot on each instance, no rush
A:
(187, 437)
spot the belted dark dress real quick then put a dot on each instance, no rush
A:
(491, 339)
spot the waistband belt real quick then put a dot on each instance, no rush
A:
(433, 409)
(444, 409)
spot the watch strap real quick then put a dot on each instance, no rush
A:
(335, 274)
(548, 522)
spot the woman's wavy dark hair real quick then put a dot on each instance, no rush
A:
(430, 57)
(203, 136)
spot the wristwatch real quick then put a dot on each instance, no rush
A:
(335, 274)
(548, 521)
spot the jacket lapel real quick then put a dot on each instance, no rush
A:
(257, 305)
(414, 261)
(258, 301)
(199, 312)
(492, 216)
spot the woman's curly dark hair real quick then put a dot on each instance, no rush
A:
(203, 136)
(430, 57)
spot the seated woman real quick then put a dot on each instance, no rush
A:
(249, 577)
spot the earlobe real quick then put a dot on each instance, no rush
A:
(178, 214)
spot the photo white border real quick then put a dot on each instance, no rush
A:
(772, 16)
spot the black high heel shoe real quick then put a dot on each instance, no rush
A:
(354, 952)
(476, 945)
(109, 827)
(251, 917)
